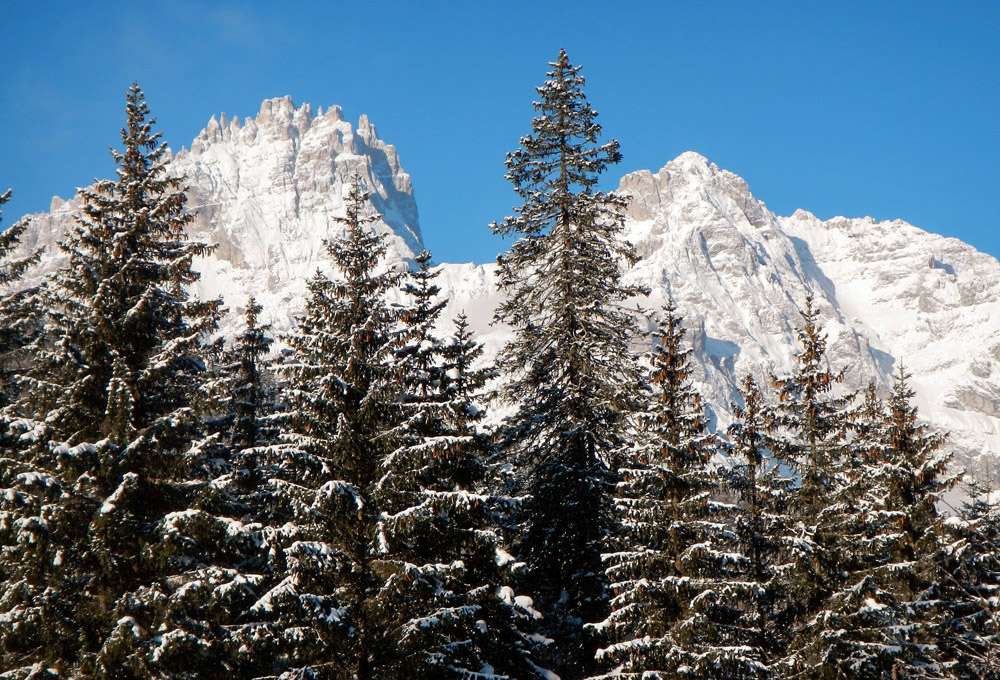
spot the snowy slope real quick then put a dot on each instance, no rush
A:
(267, 189)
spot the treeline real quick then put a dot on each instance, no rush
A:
(173, 505)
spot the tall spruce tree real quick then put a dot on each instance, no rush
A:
(814, 424)
(12, 270)
(666, 559)
(827, 504)
(882, 615)
(18, 320)
(252, 396)
(322, 619)
(894, 603)
(248, 410)
(450, 613)
(572, 375)
(970, 634)
(18, 316)
(762, 531)
(114, 569)
(244, 404)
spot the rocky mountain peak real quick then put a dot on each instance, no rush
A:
(267, 190)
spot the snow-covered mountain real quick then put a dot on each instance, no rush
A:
(889, 293)
(267, 189)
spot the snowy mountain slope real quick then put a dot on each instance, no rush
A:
(267, 189)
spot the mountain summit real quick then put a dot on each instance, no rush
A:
(266, 190)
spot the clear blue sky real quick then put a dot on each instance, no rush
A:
(888, 109)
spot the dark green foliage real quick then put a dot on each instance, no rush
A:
(816, 421)
(763, 530)
(321, 618)
(864, 591)
(251, 390)
(971, 586)
(891, 606)
(247, 403)
(464, 382)
(880, 618)
(113, 567)
(11, 271)
(813, 428)
(18, 315)
(449, 613)
(572, 375)
(666, 558)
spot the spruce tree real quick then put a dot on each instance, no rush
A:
(321, 618)
(902, 563)
(18, 323)
(12, 270)
(248, 409)
(970, 634)
(881, 620)
(243, 404)
(252, 394)
(18, 316)
(762, 531)
(571, 374)
(813, 428)
(665, 560)
(816, 421)
(114, 568)
(450, 612)
(464, 381)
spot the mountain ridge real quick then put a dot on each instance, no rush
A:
(268, 189)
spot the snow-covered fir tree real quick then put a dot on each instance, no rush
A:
(813, 420)
(248, 406)
(12, 270)
(251, 392)
(881, 617)
(449, 611)
(887, 610)
(321, 619)
(573, 377)
(112, 567)
(762, 530)
(970, 635)
(816, 421)
(243, 400)
(668, 561)
(18, 322)
(464, 381)
(815, 425)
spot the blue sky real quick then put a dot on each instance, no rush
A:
(888, 109)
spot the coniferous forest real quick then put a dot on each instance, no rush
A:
(176, 504)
